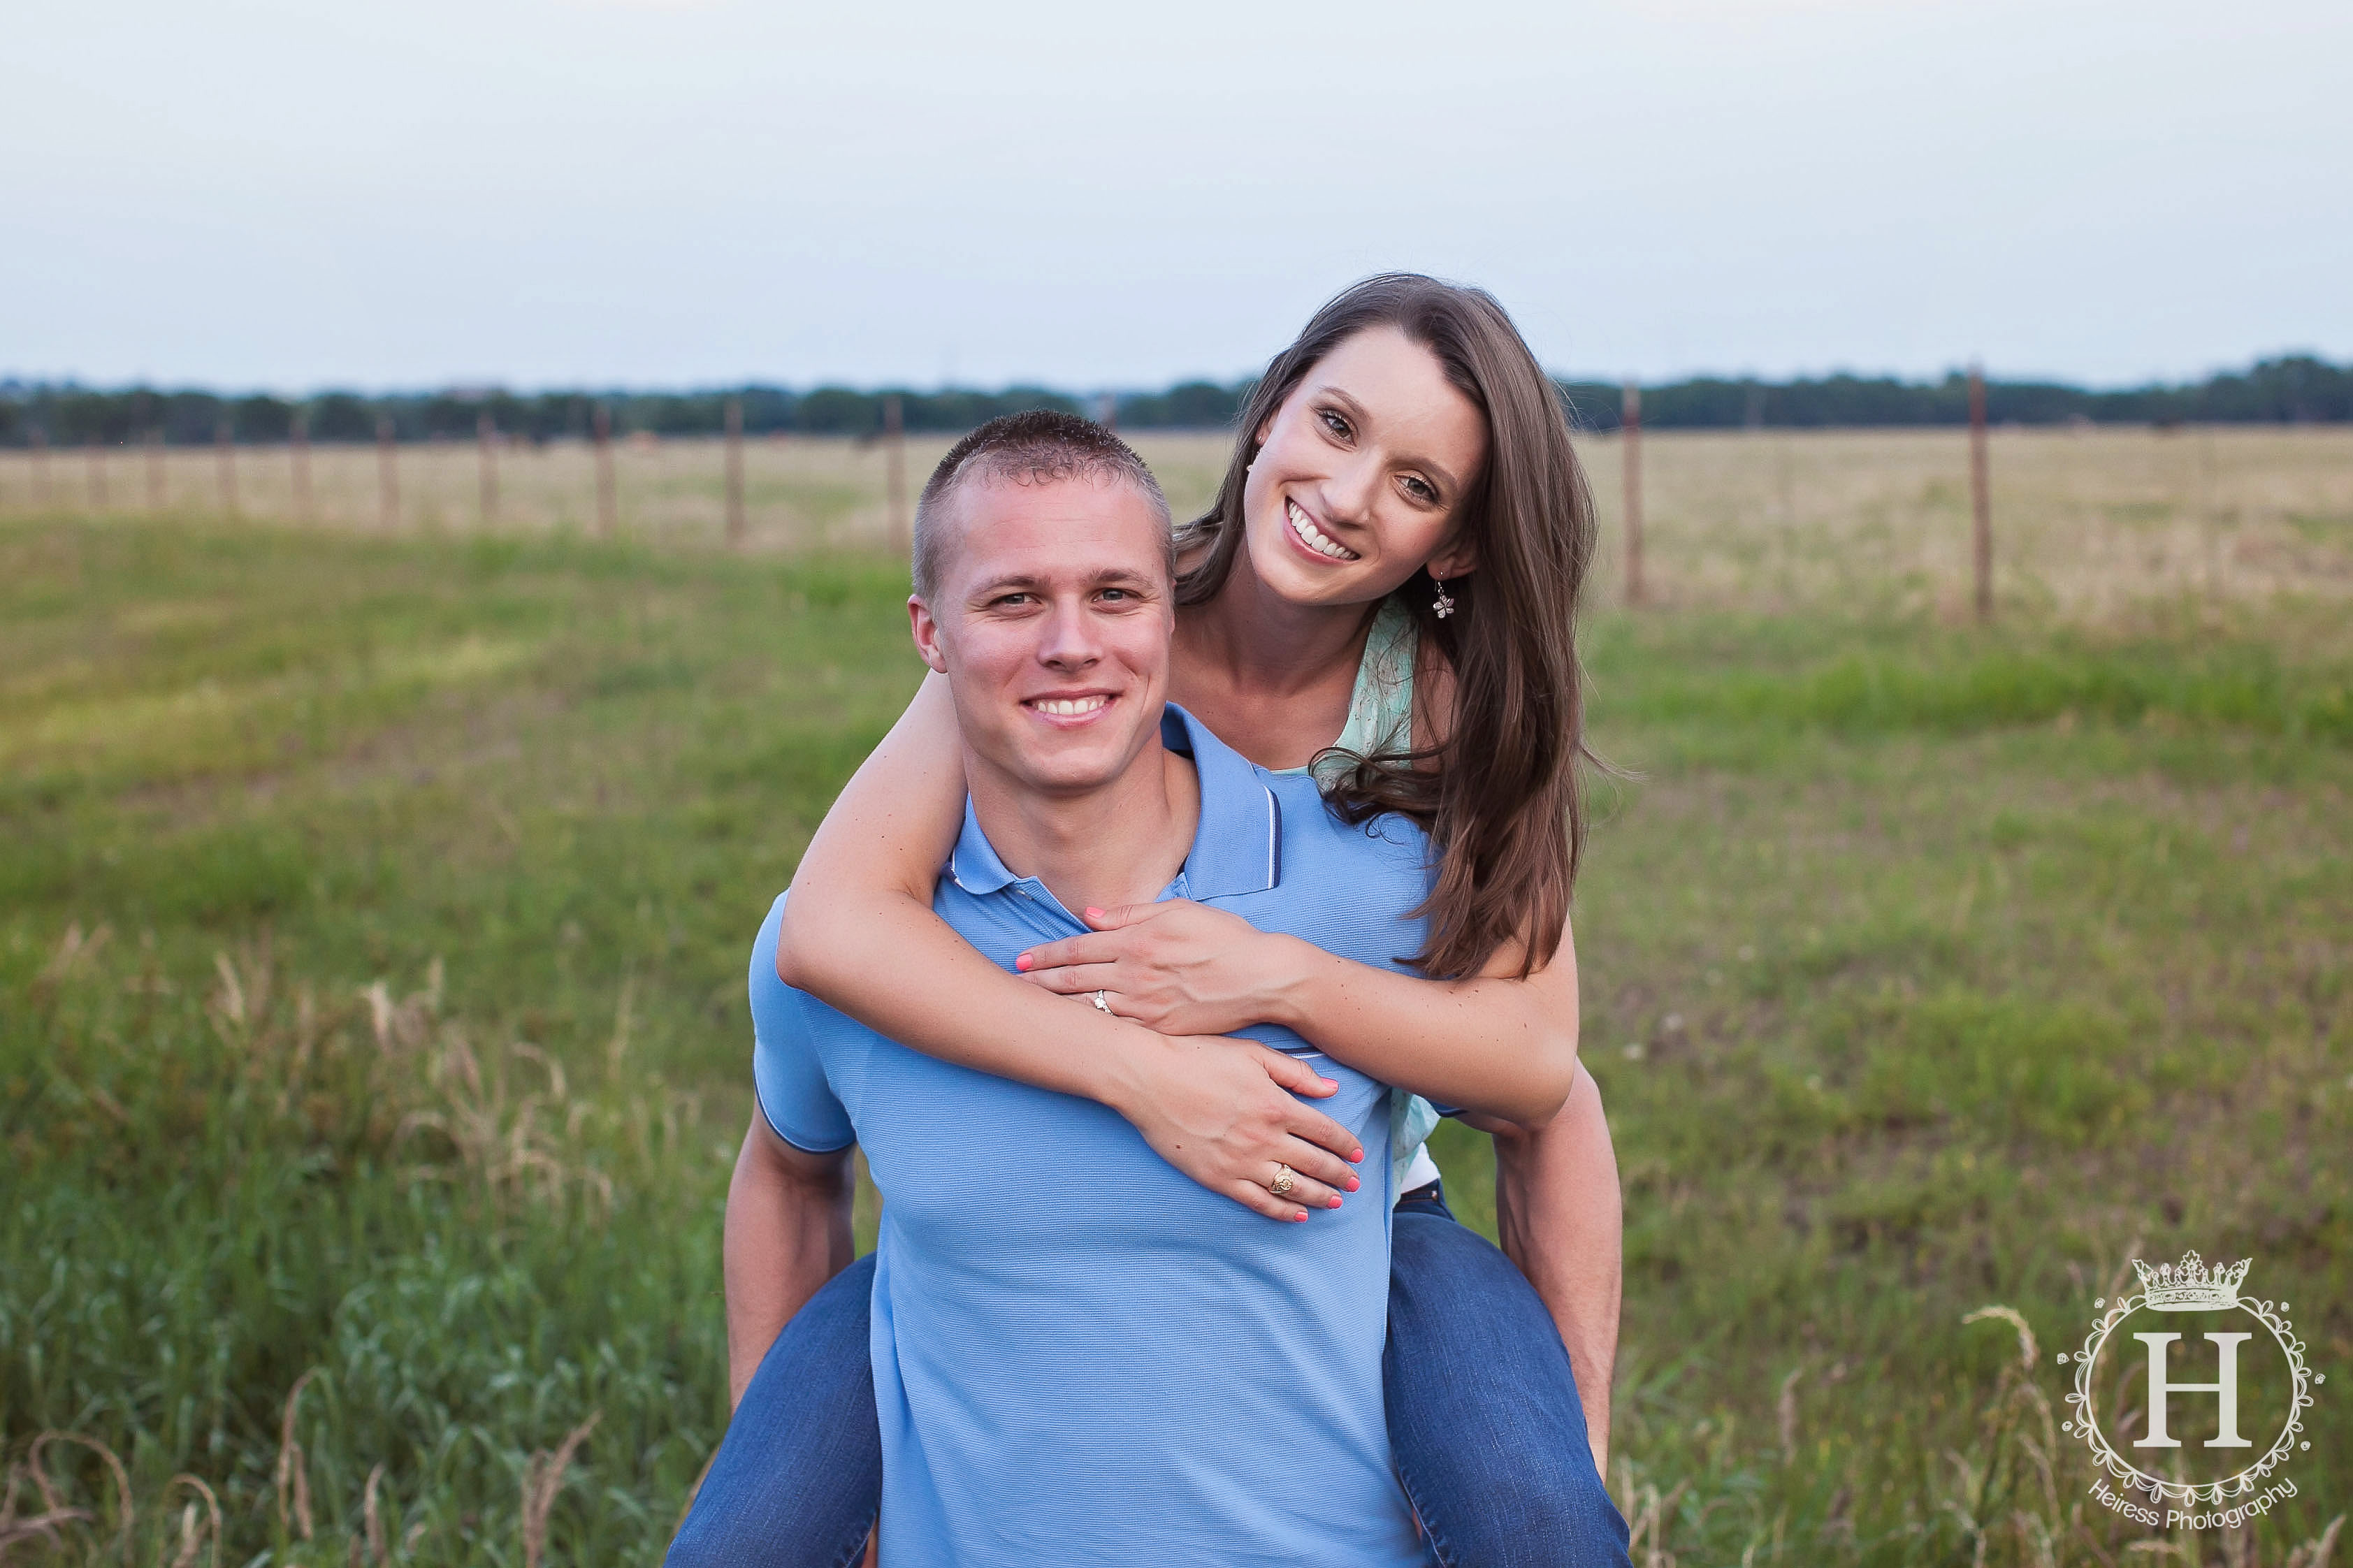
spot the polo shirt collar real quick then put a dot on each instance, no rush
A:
(972, 864)
(1237, 847)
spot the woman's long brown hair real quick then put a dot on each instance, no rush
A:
(1499, 792)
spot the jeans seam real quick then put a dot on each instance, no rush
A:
(857, 1545)
(1438, 1546)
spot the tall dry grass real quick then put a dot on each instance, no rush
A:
(800, 492)
(2014, 1498)
(2088, 523)
(293, 1111)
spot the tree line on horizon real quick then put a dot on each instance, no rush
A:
(2289, 389)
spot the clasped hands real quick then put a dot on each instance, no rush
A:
(1221, 1110)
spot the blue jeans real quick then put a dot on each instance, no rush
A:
(1485, 1423)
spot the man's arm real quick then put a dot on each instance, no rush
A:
(1559, 1213)
(787, 1234)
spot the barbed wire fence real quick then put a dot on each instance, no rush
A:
(2083, 516)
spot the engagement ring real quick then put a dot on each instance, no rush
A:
(1283, 1178)
(1102, 1006)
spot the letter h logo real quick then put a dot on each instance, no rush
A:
(2226, 1389)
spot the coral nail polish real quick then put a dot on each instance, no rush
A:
(1023, 963)
(1300, 1217)
(1335, 1203)
(1353, 1183)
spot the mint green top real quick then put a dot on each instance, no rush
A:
(1381, 718)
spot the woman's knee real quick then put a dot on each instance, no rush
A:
(1443, 1274)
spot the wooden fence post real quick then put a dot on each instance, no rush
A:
(601, 439)
(2208, 540)
(486, 435)
(1980, 502)
(41, 442)
(1107, 411)
(894, 444)
(1631, 440)
(97, 474)
(735, 472)
(155, 468)
(387, 474)
(225, 454)
(298, 444)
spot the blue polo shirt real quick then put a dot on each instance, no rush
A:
(1080, 1355)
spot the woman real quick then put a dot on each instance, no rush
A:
(1384, 589)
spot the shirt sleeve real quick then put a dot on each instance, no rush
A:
(788, 1068)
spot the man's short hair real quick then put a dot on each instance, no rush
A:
(1041, 446)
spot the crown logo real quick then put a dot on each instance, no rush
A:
(2191, 1285)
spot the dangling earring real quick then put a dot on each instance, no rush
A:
(1444, 603)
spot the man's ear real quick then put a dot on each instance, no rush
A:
(927, 634)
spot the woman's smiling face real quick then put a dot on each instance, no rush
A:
(1362, 473)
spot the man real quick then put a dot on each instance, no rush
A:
(1078, 1355)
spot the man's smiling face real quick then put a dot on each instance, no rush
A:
(1052, 623)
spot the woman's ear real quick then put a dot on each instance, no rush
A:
(1455, 558)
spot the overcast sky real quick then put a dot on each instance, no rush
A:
(291, 194)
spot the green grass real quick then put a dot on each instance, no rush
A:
(1925, 968)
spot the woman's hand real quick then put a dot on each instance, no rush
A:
(1175, 966)
(1222, 1111)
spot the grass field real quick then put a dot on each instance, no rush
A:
(374, 912)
